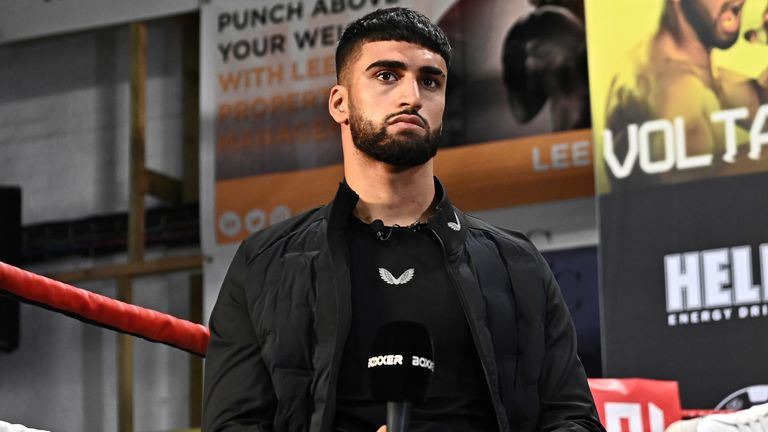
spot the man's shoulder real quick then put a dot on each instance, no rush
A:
(525, 264)
(630, 96)
(516, 241)
(650, 79)
(308, 222)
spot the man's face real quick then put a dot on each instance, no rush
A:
(716, 22)
(396, 102)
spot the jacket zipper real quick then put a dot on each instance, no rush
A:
(472, 326)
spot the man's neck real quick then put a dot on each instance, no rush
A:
(678, 40)
(395, 196)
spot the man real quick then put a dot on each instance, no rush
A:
(672, 75)
(539, 86)
(545, 61)
(301, 303)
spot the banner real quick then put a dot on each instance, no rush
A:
(680, 115)
(513, 133)
(277, 151)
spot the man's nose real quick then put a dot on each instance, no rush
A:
(410, 95)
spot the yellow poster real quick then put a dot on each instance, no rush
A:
(679, 90)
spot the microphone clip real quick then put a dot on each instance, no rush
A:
(382, 232)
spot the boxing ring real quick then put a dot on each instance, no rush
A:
(159, 327)
(103, 311)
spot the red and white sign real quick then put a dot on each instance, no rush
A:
(636, 405)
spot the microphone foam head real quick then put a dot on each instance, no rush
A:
(401, 362)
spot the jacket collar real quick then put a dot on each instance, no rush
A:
(447, 222)
(341, 207)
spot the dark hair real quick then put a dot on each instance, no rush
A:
(393, 24)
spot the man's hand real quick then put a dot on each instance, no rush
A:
(382, 429)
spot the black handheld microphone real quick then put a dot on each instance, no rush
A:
(400, 368)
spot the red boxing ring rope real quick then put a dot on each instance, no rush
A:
(103, 311)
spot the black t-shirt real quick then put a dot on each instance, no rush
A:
(404, 278)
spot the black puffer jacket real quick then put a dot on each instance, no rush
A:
(283, 313)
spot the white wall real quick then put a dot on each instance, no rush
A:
(64, 118)
(64, 122)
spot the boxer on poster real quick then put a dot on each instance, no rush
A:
(671, 75)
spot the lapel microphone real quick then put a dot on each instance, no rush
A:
(381, 231)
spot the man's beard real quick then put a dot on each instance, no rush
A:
(706, 25)
(402, 151)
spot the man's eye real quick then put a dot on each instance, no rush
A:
(386, 76)
(429, 82)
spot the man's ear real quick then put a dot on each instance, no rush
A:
(338, 104)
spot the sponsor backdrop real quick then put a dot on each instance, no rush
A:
(514, 132)
(510, 136)
(679, 115)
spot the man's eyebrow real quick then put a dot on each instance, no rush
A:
(395, 64)
(431, 70)
(387, 64)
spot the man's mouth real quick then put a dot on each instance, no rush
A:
(408, 118)
(730, 18)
